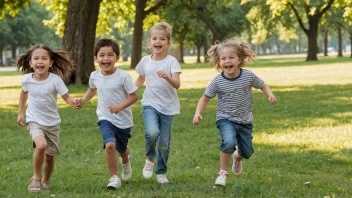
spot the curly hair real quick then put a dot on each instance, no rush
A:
(243, 50)
(106, 42)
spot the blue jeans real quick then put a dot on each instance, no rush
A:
(157, 130)
(235, 134)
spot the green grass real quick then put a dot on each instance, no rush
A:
(302, 145)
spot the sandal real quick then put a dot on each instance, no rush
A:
(46, 186)
(35, 185)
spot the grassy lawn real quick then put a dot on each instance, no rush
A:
(303, 144)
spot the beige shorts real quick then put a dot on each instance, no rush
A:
(51, 134)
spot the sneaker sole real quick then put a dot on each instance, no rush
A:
(111, 188)
(218, 184)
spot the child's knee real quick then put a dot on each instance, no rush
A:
(228, 146)
(110, 146)
(246, 154)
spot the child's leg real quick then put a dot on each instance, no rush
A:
(224, 160)
(124, 156)
(151, 122)
(48, 167)
(110, 157)
(244, 140)
(164, 143)
(38, 156)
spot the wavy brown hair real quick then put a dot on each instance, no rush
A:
(243, 50)
(62, 64)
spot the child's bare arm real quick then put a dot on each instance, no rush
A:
(132, 98)
(140, 81)
(202, 103)
(267, 91)
(174, 80)
(71, 101)
(21, 106)
(90, 93)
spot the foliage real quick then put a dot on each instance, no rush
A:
(12, 6)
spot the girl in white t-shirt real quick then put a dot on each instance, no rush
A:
(160, 101)
(44, 70)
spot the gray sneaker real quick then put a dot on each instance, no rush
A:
(126, 169)
(148, 169)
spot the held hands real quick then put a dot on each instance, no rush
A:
(196, 119)
(78, 103)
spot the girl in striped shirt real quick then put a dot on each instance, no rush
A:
(234, 113)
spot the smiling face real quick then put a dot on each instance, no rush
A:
(40, 62)
(229, 62)
(159, 43)
(106, 59)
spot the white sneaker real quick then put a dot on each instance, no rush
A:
(148, 169)
(222, 178)
(114, 183)
(126, 169)
(162, 179)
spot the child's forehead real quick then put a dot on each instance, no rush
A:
(106, 49)
(40, 52)
(227, 49)
(157, 32)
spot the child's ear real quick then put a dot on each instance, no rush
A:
(95, 59)
(51, 63)
(117, 58)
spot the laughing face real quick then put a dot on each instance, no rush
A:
(41, 62)
(106, 59)
(159, 42)
(229, 62)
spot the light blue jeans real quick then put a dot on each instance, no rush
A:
(157, 130)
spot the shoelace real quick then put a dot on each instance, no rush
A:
(149, 167)
(163, 178)
(126, 169)
(238, 165)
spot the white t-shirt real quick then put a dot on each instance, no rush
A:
(113, 90)
(42, 98)
(159, 93)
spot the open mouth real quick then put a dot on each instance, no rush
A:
(106, 64)
(158, 47)
(228, 66)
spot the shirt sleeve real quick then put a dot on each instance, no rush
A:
(129, 85)
(91, 81)
(175, 66)
(211, 90)
(60, 86)
(24, 83)
(140, 67)
(257, 82)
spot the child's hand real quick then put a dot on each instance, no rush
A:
(162, 74)
(197, 118)
(272, 99)
(77, 103)
(114, 109)
(20, 120)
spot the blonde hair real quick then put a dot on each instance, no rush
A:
(243, 50)
(161, 26)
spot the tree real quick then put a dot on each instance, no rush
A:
(12, 6)
(79, 36)
(143, 8)
(312, 11)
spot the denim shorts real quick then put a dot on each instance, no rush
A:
(111, 133)
(235, 134)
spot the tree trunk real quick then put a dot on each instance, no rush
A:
(181, 60)
(198, 53)
(339, 36)
(79, 36)
(1, 54)
(277, 44)
(312, 35)
(351, 44)
(205, 48)
(13, 51)
(138, 32)
(326, 34)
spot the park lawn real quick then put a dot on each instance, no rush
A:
(302, 145)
